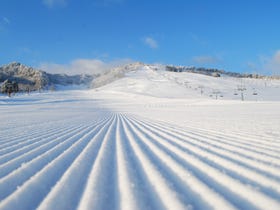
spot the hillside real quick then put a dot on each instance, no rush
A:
(156, 81)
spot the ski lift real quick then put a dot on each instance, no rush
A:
(254, 92)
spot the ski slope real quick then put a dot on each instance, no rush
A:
(142, 142)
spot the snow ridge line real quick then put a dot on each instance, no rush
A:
(25, 130)
(265, 165)
(248, 176)
(202, 170)
(193, 189)
(258, 140)
(37, 139)
(251, 152)
(122, 161)
(80, 167)
(268, 141)
(13, 139)
(30, 174)
(124, 174)
(22, 159)
(103, 171)
(14, 151)
(143, 194)
(29, 134)
(159, 185)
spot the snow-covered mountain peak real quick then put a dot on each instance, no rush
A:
(117, 73)
(29, 78)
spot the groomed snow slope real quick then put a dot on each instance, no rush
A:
(142, 142)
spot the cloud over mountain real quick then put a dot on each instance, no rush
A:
(82, 66)
(273, 63)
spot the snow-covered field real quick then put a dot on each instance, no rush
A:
(151, 140)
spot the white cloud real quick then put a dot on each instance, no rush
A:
(266, 64)
(54, 3)
(82, 66)
(272, 64)
(205, 59)
(152, 43)
(6, 20)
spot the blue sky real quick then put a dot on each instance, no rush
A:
(234, 35)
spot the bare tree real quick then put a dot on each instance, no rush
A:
(9, 87)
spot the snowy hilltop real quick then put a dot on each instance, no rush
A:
(117, 73)
(159, 81)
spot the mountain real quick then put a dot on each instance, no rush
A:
(138, 80)
(119, 72)
(34, 79)
(26, 77)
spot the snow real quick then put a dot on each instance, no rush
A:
(149, 140)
